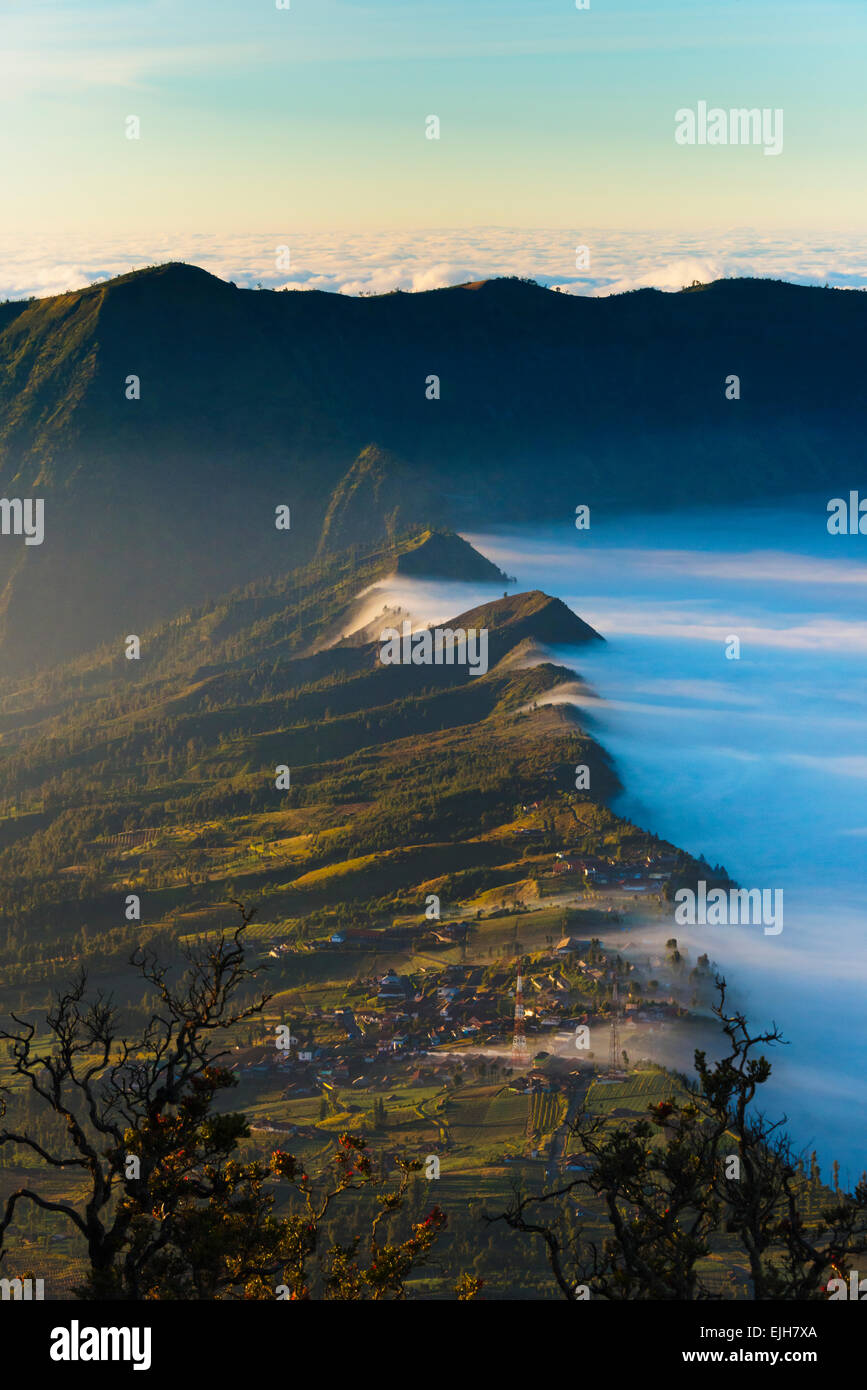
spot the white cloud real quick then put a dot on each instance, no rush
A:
(350, 263)
(820, 633)
(713, 691)
(777, 567)
(672, 276)
(66, 69)
(850, 765)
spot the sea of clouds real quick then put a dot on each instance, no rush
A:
(378, 262)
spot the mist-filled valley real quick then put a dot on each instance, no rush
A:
(756, 762)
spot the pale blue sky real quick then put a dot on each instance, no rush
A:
(314, 117)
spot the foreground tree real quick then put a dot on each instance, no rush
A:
(703, 1164)
(168, 1209)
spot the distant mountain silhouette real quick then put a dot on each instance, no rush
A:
(254, 399)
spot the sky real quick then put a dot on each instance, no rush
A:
(308, 125)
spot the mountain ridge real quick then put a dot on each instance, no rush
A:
(165, 415)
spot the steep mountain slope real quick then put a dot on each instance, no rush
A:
(443, 555)
(162, 492)
(378, 497)
(157, 772)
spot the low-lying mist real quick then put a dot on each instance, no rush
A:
(755, 761)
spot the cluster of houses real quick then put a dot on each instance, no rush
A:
(453, 1004)
(408, 1025)
(645, 875)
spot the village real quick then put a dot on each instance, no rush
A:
(426, 1024)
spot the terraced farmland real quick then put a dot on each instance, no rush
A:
(547, 1110)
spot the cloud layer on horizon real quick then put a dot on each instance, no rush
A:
(357, 263)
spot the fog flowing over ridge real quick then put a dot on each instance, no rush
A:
(757, 763)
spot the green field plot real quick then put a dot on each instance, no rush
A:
(484, 1117)
(547, 1111)
(634, 1093)
(256, 932)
